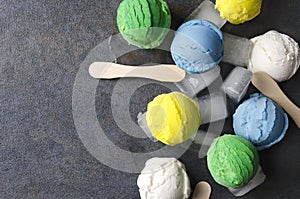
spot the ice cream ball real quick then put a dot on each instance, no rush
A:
(144, 23)
(238, 11)
(164, 178)
(276, 54)
(173, 118)
(232, 161)
(261, 121)
(198, 46)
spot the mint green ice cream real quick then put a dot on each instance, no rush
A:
(144, 23)
(232, 161)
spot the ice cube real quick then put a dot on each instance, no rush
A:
(207, 141)
(236, 49)
(142, 122)
(237, 83)
(213, 107)
(206, 11)
(205, 138)
(194, 83)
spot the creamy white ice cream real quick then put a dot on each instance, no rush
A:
(276, 54)
(164, 178)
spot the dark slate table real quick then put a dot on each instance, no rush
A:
(43, 49)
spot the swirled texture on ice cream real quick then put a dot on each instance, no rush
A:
(144, 23)
(172, 118)
(276, 54)
(261, 121)
(164, 178)
(232, 161)
(238, 11)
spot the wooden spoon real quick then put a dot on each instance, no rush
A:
(202, 191)
(161, 72)
(265, 84)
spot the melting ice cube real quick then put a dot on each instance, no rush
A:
(206, 11)
(236, 49)
(213, 107)
(236, 83)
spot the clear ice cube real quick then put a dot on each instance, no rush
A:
(142, 122)
(213, 107)
(236, 83)
(194, 83)
(206, 138)
(236, 49)
(207, 141)
(206, 11)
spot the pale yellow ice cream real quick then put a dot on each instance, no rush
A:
(173, 118)
(238, 11)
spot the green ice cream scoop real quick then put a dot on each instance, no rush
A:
(232, 161)
(144, 23)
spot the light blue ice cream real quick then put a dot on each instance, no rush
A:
(261, 121)
(198, 46)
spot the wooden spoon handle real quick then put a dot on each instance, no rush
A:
(290, 108)
(202, 191)
(161, 72)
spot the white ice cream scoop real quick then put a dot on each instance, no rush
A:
(276, 54)
(164, 178)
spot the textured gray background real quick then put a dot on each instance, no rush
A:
(42, 44)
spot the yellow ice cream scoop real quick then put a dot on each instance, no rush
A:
(172, 118)
(238, 11)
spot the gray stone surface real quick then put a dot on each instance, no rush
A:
(43, 43)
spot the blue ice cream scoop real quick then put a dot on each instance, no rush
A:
(198, 46)
(261, 121)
